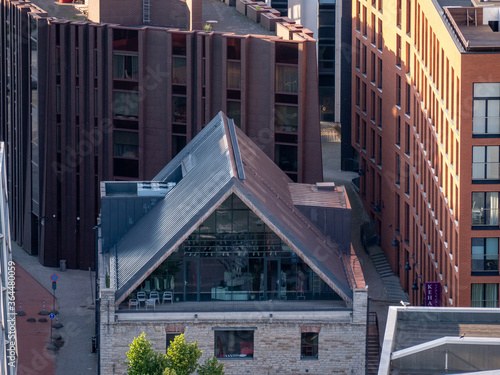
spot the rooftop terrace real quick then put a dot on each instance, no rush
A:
(226, 17)
(476, 27)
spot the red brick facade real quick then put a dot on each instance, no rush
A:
(412, 126)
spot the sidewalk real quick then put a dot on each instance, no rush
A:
(76, 313)
(33, 330)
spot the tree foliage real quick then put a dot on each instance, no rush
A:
(143, 359)
(211, 367)
(181, 359)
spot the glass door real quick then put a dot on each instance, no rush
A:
(272, 279)
(191, 277)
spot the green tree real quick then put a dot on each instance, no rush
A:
(211, 367)
(182, 357)
(143, 359)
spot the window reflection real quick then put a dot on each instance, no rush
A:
(234, 256)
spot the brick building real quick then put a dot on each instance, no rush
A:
(426, 94)
(254, 267)
(83, 102)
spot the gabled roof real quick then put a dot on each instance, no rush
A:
(219, 161)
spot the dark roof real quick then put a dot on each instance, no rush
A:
(206, 172)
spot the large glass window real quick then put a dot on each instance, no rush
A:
(125, 39)
(484, 295)
(125, 66)
(486, 115)
(286, 157)
(286, 118)
(485, 162)
(125, 104)
(179, 76)
(179, 109)
(126, 144)
(234, 343)
(233, 75)
(309, 345)
(234, 111)
(485, 208)
(287, 78)
(234, 256)
(485, 255)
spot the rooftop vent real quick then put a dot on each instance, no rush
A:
(325, 186)
(154, 189)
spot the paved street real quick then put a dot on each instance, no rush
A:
(76, 313)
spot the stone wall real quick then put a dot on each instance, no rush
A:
(342, 337)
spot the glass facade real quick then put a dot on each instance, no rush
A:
(234, 256)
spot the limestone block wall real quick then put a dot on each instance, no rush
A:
(276, 340)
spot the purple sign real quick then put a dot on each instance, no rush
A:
(433, 294)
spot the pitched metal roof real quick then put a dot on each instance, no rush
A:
(211, 166)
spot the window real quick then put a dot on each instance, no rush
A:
(358, 53)
(379, 100)
(365, 53)
(179, 109)
(234, 48)
(398, 131)
(179, 75)
(287, 78)
(365, 21)
(380, 39)
(234, 344)
(484, 295)
(398, 14)
(398, 90)
(125, 104)
(125, 66)
(407, 139)
(398, 169)
(125, 39)
(374, 18)
(234, 112)
(379, 162)
(126, 144)
(286, 118)
(408, 16)
(485, 255)
(179, 44)
(171, 337)
(398, 51)
(379, 73)
(233, 75)
(286, 157)
(309, 345)
(408, 100)
(485, 208)
(486, 115)
(407, 171)
(358, 91)
(485, 162)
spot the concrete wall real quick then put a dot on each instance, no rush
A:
(341, 345)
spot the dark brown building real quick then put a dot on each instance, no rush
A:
(110, 102)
